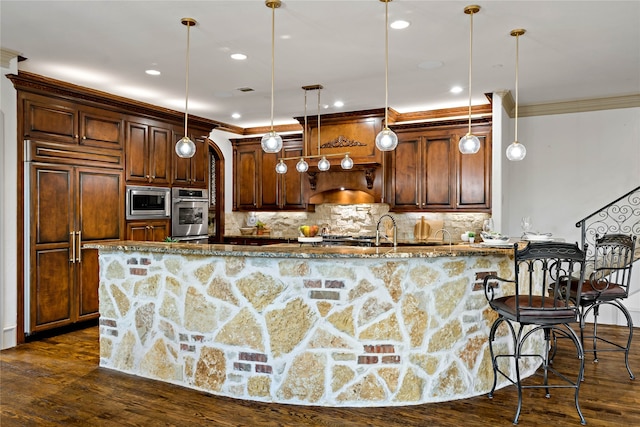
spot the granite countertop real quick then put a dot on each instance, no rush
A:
(295, 250)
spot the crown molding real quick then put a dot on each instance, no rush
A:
(6, 55)
(565, 107)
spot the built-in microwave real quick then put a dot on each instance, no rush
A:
(148, 202)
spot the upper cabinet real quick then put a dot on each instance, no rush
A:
(257, 186)
(428, 172)
(192, 172)
(148, 153)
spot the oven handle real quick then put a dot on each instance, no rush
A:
(190, 200)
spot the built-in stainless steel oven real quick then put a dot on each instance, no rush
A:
(189, 215)
(148, 202)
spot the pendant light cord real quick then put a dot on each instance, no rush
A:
(305, 135)
(470, 64)
(273, 49)
(318, 121)
(517, 62)
(186, 98)
(386, 63)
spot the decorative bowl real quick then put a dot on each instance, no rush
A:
(246, 231)
(493, 237)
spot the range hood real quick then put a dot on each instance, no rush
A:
(355, 133)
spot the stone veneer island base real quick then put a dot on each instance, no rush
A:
(302, 325)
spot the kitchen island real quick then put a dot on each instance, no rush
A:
(326, 326)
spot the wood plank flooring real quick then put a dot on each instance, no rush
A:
(57, 382)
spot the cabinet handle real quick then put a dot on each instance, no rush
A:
(84, 137)
(72, 243)
(79, 246)
(76, 137)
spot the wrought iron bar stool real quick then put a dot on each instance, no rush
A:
(607, 284)
(536, 309)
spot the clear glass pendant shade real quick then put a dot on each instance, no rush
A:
(347, 162)
(386, 140)
(302, 166)
(271, 142)
(185, 148)
(469, 144)
(324, 164)
(516, 151)
(281, 167)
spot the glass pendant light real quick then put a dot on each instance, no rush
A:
(281, 167)
(347, 162)
(185, 147)
(516, 151)
(470, 144)
(271, 141)
(302, 166)
(324, 164)
(386, 140)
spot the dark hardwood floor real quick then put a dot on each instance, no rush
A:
(57, 382)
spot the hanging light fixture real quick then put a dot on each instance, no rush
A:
(516, 151)
(386, 140)
(323, 164)
(470, 144)
(271, 141)
(185, 147)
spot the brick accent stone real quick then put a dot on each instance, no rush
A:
(330, 295)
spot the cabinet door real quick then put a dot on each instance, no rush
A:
(159, 154)
(474, 175)
(438, 173)
(136, 149)
(145, 231)
(268, 183)
(99, 217)
(406, 174)
(52, 246)
(246, 163)
(200, 164)
(50, 119)
(292, 185)
(99, 128)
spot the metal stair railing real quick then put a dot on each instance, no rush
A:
(620, 216)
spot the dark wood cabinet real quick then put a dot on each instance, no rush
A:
(428, 172)
(70, 206)
(193, 172)
(257, 186)
(68, 122)
(149, 231)
(148, 153)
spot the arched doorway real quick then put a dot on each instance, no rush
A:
(216, 193)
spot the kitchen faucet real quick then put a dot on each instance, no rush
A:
(395, 231)
(448, 234)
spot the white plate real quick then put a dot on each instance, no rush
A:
(538, 238)
(497, 243)
(314, 239)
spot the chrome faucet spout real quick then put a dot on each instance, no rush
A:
(383, 235)
(448, 234)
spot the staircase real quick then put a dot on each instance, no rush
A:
(620, 216)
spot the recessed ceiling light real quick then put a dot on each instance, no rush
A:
(236, 115)
(399, 24)
(152, 72)
(456, 89)
(338, 104)
(239, 56)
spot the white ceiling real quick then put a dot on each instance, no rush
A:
(572, 50)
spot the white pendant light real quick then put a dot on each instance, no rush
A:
(185, 147)
(347, 162)
(470, 144)
(516, 151)
(271, 141)
(386, 140)
(281, 167)
(302, 166)
(324, 164)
